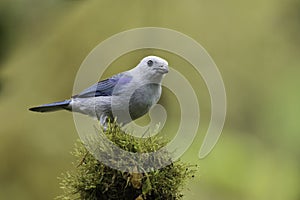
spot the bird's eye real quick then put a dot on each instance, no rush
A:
(150, 63)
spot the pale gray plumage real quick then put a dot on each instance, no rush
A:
(125, 96)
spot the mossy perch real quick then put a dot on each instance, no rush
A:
(92, 180)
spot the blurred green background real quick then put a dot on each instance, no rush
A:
(255, 44)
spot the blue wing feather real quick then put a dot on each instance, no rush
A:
(104, 87)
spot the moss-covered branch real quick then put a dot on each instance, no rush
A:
(92, 180)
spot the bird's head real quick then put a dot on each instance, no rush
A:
(153, 67)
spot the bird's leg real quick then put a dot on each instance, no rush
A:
(104, 121)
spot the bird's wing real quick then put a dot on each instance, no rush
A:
(105, 87)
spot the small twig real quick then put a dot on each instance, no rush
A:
(83, 159)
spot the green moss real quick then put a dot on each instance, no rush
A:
(93, 180)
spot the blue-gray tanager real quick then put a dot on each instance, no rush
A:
(125, 96)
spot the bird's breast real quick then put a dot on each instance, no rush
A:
(143, 98)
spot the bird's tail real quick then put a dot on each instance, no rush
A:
(61, 105)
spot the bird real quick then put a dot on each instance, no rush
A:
(123, 97)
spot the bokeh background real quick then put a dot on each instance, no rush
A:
(255, 44)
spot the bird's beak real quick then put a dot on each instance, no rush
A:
(163, 69)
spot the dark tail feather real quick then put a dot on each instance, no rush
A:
(61, 105)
